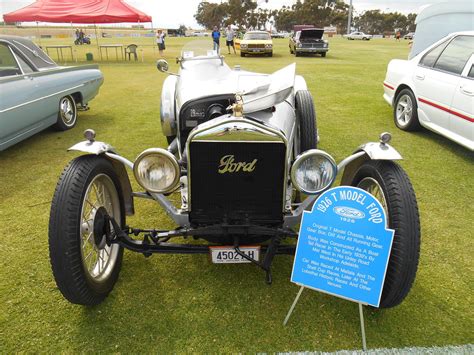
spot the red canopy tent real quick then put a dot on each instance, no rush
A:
(78, 11)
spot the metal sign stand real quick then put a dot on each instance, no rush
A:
(362, 327)
(361, 316)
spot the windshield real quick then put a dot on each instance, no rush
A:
(198, 49)
(257, 36)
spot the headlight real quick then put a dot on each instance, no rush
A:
(313, 171)
(156, 170)
(243, 45)
(298, 45)
(325, 45)
(269, 46)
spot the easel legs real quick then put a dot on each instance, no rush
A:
(293, 305)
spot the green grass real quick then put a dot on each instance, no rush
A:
(177, 303)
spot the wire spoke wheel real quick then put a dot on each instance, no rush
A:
(371, 185)
(390, 185)
(98, 260)
(85, 264)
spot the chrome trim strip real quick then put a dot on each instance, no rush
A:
(222, 121)
(41, 98)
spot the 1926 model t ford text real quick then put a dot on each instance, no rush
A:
(243, 156)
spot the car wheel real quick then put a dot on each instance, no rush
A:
(270, 54)
(405, 111)
(297, 54)
(242, 54)
(323, 54)
(306, 126)
(389, 183)
(67, 115)
(85, 267)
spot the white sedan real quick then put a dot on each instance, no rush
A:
(358, 35)
(435, 89)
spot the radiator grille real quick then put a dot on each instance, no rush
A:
(236, 197)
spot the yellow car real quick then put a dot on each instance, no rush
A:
(256, 42)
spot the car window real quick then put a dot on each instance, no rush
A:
(455, 56)
(257, 36)
(471, 72)
(429, 58)
(8, 64)
(27, 69)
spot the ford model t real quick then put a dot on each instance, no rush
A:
(243, 158)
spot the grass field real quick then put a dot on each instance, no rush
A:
(176, 303)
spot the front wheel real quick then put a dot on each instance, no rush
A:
(323, 54)
(388, 182)
(85, 267)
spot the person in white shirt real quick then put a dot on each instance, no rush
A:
(160, 41)
(230, 38)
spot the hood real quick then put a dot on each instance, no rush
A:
(313, 33)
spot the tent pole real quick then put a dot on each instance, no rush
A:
(38, 32)
(97, 40)
(153, 39)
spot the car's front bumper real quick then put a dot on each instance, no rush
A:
(312, 50)
(256, 50)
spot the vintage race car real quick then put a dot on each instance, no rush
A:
(37, 93)
(242, 156)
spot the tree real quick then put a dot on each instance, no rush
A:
(210, 14)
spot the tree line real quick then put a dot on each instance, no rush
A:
(246, 14)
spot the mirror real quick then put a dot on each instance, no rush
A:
(162, 65)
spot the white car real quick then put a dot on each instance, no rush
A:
(435, 89)
(358, 35)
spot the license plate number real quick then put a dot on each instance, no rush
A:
(228, 255)
(257, 50)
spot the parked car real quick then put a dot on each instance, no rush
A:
(409, 35)
(256, 42)
(358, 35)
(36, 93)
(309, 41)
(242, 149)
(435, 89)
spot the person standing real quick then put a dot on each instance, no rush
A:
(398, 35)
(216, 36)
(160, 41)
(229, 39)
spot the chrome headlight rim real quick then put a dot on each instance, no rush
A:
(167, 155)
(301, 158)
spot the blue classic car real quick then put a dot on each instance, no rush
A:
(36, 93)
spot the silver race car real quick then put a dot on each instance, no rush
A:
(243, 163)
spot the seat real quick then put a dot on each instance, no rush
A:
(131, 49)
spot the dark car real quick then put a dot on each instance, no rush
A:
(308, 41)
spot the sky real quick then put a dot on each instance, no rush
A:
(172, 13)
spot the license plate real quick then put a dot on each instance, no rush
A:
(257, 50)
(228, 255)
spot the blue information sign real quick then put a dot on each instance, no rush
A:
(344, 246)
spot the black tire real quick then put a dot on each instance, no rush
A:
(323, 54)
(67, 114)
(406, 122)
(296, 53)
(306, 126)
(270, 54)
(242, 54)
(67, 230)
(402, 213)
